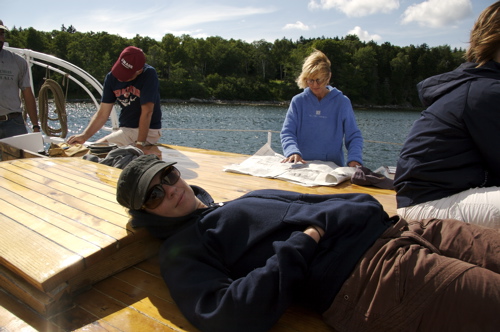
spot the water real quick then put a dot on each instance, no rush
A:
(243, 129)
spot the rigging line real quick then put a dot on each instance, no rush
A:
(207, 129)
(257, 130)
(392, 143)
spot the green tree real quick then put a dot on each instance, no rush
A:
(37, 41)
(401, 87)
(234, 69)
(170, 45)
(364, 79)
(262, 55)
(157, 59)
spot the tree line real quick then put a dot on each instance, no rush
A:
(216, 68)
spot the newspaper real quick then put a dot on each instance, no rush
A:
(267, 163)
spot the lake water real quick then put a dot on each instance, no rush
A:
(243, 129)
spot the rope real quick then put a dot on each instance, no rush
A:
(60, 110)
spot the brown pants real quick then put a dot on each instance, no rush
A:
(432, 275)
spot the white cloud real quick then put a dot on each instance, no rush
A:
(296, 26)
(363, 34)
(174, 18)
(438, 13)
(215, 14)
(356, 8)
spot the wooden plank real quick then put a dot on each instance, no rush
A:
(103, 177)
(53, 218)
(16, 314)
(157, 305)
(29, 222)
(44, 182)
(78, 319)
(8, 152)
(41, 302)
(59, 173)
(114, 312)
(73, 231)
(111, 220)
(43, 263)
(127, 256)
(151, 283)
(48, 303)
(150, 266)
(10, 322)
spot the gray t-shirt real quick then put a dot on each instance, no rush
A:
(14, 76)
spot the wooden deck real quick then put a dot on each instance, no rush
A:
(69, 260)
(62, 230)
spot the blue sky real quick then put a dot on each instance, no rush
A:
(399, 22)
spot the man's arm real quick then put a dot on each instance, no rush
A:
(96, 123)
(30, 102)
(144, 122)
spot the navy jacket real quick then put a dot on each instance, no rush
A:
(238, 267)
(453, 146)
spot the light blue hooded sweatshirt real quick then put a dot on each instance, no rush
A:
(316, 130)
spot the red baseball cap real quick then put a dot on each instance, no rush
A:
(131, 60)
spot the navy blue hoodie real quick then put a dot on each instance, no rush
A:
(239, 266)
(453, 146)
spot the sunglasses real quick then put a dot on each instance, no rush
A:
(317, 81)
(156, 194)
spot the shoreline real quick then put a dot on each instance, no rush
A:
(263, 103)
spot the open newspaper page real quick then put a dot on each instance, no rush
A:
(267, 163)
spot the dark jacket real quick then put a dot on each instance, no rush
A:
(453, 146)
(238, 267)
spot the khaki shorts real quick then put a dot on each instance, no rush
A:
(127, 136)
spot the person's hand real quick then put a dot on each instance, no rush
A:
(353, 164)
(315, 232)
(294, 158)
(76, 139)
(151, 149)
(145, 147)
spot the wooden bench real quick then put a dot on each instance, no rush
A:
(63, 230)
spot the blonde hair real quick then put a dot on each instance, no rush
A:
(485, 36)
(315, 65)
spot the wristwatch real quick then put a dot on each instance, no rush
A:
(140, 143)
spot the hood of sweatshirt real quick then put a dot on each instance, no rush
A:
(433, 88)
(163, 227)
(334, 92)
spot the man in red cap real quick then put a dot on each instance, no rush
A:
(14, 77)
(134, 84)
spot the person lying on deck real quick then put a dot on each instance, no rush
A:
(238, 265)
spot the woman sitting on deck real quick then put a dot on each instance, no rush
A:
(238, 266)
(449, 166)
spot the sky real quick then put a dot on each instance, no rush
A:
(399, 22)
